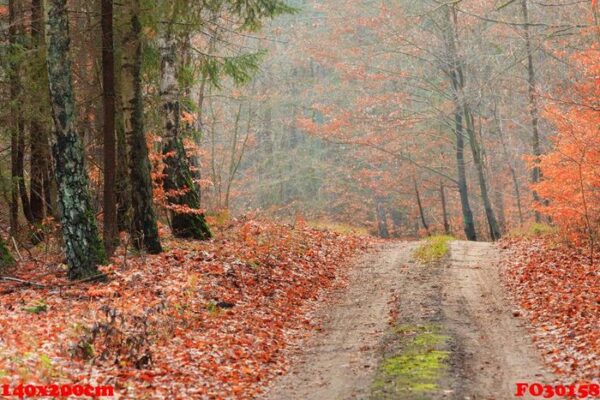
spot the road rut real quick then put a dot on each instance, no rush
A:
(490, 348)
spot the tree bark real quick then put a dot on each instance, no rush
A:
(536, 173)
(458, 79)
(143, 223)
(41, 182)
(108, 99)
(397, 221)
(83, 247)
(123, 180)
(382, 226)
(123, 184)
(16, 127)
(494, 228)
(20, 170)
(453, 71)
(513, 173)
(463, 190)
(420, 205)
(444, 209)
(186, 222)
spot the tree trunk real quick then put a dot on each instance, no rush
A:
(533, 107)
(499, 202)
(15, 88)
(467, 213)
(40, 164)
(83, 247)
(421, 211)
(123, 181)
(458, 79)
(143, 224)
(444, 209)
(513, 173)
(382, 226)
(186, 221)
(397, 221)
(108, 99)
(20, 171)
(477, 160)
(123, 185)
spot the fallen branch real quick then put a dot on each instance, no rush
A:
(17, 248)
(11, 279)
(99, 277)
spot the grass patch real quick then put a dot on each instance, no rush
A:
(434, 248)
(37, 307)
(338, 227)
(533, 230)
(416, 369)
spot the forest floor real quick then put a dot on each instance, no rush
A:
(408, 330)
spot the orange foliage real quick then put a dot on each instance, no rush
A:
(571, 172)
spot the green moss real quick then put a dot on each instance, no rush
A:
(412, 329)
(434, 249)
(416, 368)
(429, 339)
(6, 260)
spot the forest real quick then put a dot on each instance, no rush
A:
(198, 196)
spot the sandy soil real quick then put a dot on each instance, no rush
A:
(495, 349)
(490, 348)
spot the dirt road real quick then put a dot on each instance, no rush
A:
(455, 335)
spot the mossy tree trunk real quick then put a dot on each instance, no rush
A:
(185, 222)
(83, 247)
(143, 220)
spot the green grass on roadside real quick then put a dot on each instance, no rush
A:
(433, 249)
(533, 230)
(337, 227)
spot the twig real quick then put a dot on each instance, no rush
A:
(17, 248)
(90, 279)
(11, 279)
